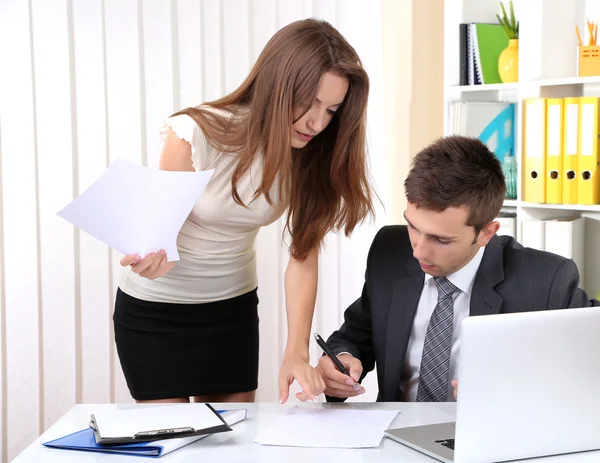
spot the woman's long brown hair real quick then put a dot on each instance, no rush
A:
(325, 183)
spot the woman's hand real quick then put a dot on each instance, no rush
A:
(296, 367)
(153, 266)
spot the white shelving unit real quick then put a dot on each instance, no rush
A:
(547, 69)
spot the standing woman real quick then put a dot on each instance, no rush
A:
(290, 139)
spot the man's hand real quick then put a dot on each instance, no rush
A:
(337, 384)
(455, 386)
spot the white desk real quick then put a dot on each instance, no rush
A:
(238, 445)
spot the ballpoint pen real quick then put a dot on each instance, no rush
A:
(334, 359)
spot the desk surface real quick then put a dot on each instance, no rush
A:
(238, 444)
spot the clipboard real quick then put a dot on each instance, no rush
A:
(85, 440)
(134, 425)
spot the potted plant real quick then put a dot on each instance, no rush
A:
(508, 62)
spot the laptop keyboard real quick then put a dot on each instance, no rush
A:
(446, 443)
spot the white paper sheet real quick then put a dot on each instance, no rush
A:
(328, 427)
(128, 422)
(135, 209)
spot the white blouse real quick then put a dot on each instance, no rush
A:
(216, 242)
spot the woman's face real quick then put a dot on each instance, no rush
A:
(331, 94)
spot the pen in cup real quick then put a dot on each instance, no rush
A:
(334, 359)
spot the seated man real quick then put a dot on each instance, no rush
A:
(423, 279)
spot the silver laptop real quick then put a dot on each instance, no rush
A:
(528, 386)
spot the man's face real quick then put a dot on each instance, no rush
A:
(441, 241)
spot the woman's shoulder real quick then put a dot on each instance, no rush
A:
(185, 127)
(185, 122)
(190, 124)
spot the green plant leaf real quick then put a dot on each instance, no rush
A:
(504, 12)
(511, 26)
(512, 16)
(507, 29)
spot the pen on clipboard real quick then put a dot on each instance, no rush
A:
(334, 359)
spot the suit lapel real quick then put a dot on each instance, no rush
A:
(407, 291)
(484, 299)
(405, 299)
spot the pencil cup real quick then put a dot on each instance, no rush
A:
(589, 61)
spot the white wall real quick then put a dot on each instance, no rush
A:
(83, 83)
(413, 38)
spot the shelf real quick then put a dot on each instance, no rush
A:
(510, 203)
(564, 81)
(562, 207)
(486, 88)
(592, 80)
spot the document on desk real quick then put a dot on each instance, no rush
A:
(328, 427)
(135, 209)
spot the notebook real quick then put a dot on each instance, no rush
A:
(125, 426)
(480, 46)
(84, 440)
(472, 74)
(488, 42)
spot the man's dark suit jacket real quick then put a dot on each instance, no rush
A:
(510, 278)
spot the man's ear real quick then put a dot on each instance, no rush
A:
(486, 233)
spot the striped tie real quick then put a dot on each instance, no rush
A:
(435, 362)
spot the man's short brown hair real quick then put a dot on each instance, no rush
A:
(458, 171)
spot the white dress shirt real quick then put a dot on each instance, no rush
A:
(463, 279)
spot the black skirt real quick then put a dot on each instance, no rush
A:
(170, 350)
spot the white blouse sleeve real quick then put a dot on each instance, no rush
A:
(186, 128)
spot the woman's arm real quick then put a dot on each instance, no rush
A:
(300, 295)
